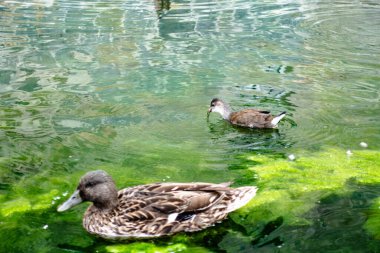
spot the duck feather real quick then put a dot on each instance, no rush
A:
(159, 209)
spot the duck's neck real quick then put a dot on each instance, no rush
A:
(106, 206)
(107, 202)
(226, 112)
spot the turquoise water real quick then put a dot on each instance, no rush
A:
(124, 86)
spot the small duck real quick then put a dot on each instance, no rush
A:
(153, 210)
(245, 118)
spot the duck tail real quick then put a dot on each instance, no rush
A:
(241, 197)
(277, 119)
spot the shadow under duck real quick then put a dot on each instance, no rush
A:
(153, 210)
(251, 118)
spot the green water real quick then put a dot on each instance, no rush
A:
(124, 86)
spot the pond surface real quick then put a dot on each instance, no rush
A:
(124, 86)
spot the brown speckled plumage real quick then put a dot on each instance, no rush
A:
(155, 209)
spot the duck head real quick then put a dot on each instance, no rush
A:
(96, 187)
(221, 107)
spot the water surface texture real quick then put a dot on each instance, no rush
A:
(124, 86)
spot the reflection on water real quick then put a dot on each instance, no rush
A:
(125, 85)
(162, 7)
(247, 139)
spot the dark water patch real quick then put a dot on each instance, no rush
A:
(34, 236)
(332, 218)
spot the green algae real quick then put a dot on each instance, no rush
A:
(16, 205)
(145, 247)
(289, 193)
(373, 223)
(290, 189)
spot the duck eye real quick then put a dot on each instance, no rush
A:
(89, 184)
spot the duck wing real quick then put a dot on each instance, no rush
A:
(251, 118)
(161, 200)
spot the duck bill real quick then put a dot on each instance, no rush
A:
(209, 111)
(74, 200)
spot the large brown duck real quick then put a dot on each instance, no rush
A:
(251, 118)
(153, 210)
